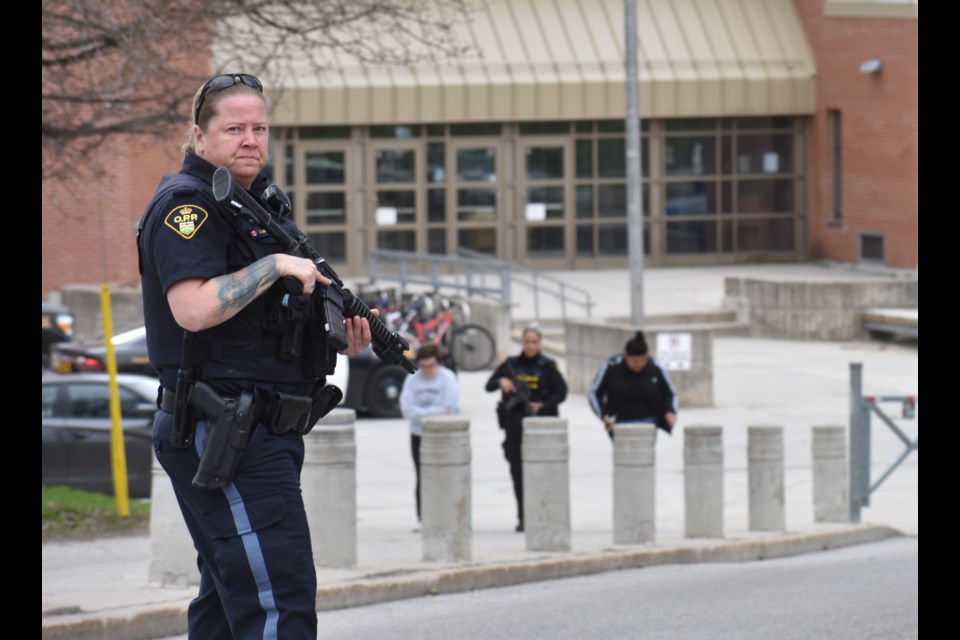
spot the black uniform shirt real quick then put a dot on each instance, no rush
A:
(542, 377)
(185, 234)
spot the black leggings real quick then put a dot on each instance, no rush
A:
(415, 450)
(511, 451)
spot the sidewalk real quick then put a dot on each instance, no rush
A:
(98, 589)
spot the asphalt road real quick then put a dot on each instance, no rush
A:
(866, 591)
(863, 591)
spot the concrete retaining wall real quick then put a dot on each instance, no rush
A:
(590, 343)
(815, 310)
(84, 301)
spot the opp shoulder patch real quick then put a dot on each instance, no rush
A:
(186, 220)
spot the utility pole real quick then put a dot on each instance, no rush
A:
(634, 184)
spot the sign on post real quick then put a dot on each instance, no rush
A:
(675, 350)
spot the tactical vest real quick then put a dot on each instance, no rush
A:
(247, 347)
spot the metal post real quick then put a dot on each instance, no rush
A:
(634, 199)
(536, 298)
(859, 445)
(563, 302)
(505, 284)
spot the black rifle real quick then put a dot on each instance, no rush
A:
(518, 402)
(336, 301)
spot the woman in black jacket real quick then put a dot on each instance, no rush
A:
(631, 387)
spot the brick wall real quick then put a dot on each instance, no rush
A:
(880, 114)
(88, 228)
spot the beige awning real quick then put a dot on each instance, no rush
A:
(563, 59)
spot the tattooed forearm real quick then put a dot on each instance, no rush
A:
(236, 290)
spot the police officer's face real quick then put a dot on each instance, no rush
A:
(531, 344)
(236, 137)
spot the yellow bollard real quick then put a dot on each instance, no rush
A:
(118, 454)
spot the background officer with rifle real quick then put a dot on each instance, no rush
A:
(530, 385)
(243, 325)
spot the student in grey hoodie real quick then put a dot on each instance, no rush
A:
(432, 391)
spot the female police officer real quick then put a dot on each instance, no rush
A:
(530, 385)
(218, 278)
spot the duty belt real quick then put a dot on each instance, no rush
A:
(280, 412)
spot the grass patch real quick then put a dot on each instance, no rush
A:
(71, 514)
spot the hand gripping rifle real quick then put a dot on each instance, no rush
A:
(337, 302)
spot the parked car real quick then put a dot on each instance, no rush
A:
(130, 349)
(76, 426)
(56, 325)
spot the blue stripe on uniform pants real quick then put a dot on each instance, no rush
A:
(251, 545)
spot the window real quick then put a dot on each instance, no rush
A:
(48, 401)
(871, 247)
(93, 401)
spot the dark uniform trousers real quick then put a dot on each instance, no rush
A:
(257, 577)
(512, 424)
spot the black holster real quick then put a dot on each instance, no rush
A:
(184, 421)
(230, 421)
(324, 401)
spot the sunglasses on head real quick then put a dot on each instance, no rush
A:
(219, 83)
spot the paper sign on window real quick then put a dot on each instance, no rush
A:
(536, 211)
(386, 216)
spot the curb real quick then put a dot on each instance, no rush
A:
(142, 623)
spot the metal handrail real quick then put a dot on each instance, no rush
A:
(469, 272)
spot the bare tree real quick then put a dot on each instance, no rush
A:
(112, 67)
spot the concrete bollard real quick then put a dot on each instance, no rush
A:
(765, 478)
(546, 484)
(831, 495)
(634, 484)
(703, 482)
(445, 489)
(173, 558)
(329, 485)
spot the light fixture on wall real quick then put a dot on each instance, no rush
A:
(872, 65)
